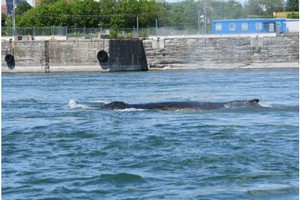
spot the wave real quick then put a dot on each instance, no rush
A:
(289, 108)
(100, 102)
(74, 104)
(265, 105)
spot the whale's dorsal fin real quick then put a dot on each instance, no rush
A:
(254, 101)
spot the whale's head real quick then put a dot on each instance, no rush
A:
(115, 105)
(253, 101)
(243, 103)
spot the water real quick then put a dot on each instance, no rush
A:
(53, 151)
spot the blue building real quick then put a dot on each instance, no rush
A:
(246, 26)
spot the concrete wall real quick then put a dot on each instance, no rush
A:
(222, 52)
(73, 56)
(292, 25)
(207, 52)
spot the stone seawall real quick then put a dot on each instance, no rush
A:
(73, 56)
(153, 53)
(222, 52)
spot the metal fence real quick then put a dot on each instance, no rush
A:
(89, 33)
(84, 32)
(34, 31)
(96, 32)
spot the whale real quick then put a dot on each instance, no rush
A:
(182, 105)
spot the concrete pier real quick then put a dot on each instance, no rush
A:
(222, 52)
(193, 52)
(74, 56)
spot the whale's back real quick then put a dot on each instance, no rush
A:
(182, 105)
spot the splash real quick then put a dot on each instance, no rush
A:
(266, 106)
(131, 109)
(74, 104)
(100, 102)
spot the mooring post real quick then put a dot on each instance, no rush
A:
(47, 67)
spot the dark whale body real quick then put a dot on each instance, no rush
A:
(182, 105)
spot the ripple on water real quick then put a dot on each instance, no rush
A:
(51, 151)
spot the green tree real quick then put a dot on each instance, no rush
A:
(148, 12)
(182, 14)
(37, 16)
(59, 14)
(22, 7)
(89, 13)
(264, 7)
(48, 1)
(4, 19)
(233, 10)
(186, 13)
(108, 11)
(85, 13)
(129, 11)
(292, 5)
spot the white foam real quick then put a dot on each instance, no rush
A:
(266, 106)
(130, 109)
(74, 104)
(227, 106)
(101, 102)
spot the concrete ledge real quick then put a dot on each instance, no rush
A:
(62, 69)
(57, 69)
(216, 66)
(29, 69)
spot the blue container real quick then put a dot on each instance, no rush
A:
(246, 26)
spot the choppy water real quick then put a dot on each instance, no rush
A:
(53, 151)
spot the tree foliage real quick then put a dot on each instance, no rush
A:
(292, 5)
(3, 19)
(90, 13)
(182, 14)
(228, 10)
(190, 12)
(22, 7)
(116, 14)
(264, 7)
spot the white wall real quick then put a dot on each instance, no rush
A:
(292, 25)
